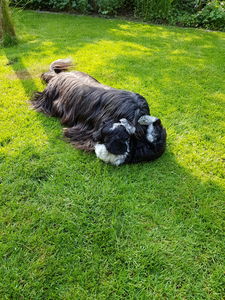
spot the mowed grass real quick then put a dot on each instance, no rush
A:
(73, 227)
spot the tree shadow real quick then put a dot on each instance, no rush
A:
(22, 73)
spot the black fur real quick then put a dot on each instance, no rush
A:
(116, 141)
(89, 109)
(143, 150)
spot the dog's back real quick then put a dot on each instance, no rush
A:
(84, 105)
(78, 97)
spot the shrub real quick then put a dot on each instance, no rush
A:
(81, 6)
(195, 13)
(108, 6)
(182, 18)
(212, 15)
(184, 5)
(152, 9)
(59, 5)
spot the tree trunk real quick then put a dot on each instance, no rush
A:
(1, 21)
(6, 26)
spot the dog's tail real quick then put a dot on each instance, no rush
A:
(61, 65)
(56, 67)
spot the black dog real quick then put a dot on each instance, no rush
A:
(145, 147)
(99, 117)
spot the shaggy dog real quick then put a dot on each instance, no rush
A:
(116, 124)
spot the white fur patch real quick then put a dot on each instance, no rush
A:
(129, 128)
(146, 120)
(150, 133)
(149, 120)
(102, 153)
(115, 125)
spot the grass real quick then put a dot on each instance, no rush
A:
(73, 227)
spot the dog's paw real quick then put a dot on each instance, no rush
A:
(128, 126)
(147, 120)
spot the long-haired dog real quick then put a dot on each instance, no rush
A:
(114, 123)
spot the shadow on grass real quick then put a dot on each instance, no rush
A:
(131, 226)
(21, 72)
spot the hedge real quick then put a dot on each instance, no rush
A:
(208, 14)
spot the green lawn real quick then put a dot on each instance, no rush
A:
(73, 227)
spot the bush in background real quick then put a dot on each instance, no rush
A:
(106, 7)
(155, 10)
(199, 13)
(212, 16)
(209, 14)
(54, 5)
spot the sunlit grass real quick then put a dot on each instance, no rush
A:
(73, 227)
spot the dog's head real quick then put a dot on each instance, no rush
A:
(115, 136)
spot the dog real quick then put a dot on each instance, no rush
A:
(114, 123)
(146, 147)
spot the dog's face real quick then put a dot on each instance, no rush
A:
(115, 136)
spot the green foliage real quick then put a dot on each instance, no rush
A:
(196, 13)
(152, 9)
(67, 5)
(106, 7)
(81, 6)
(182, 18)
(58, 5)
(43, 4)
(212, 15)
(185, 5)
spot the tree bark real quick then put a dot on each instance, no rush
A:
(1, 21)
(6, 25)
